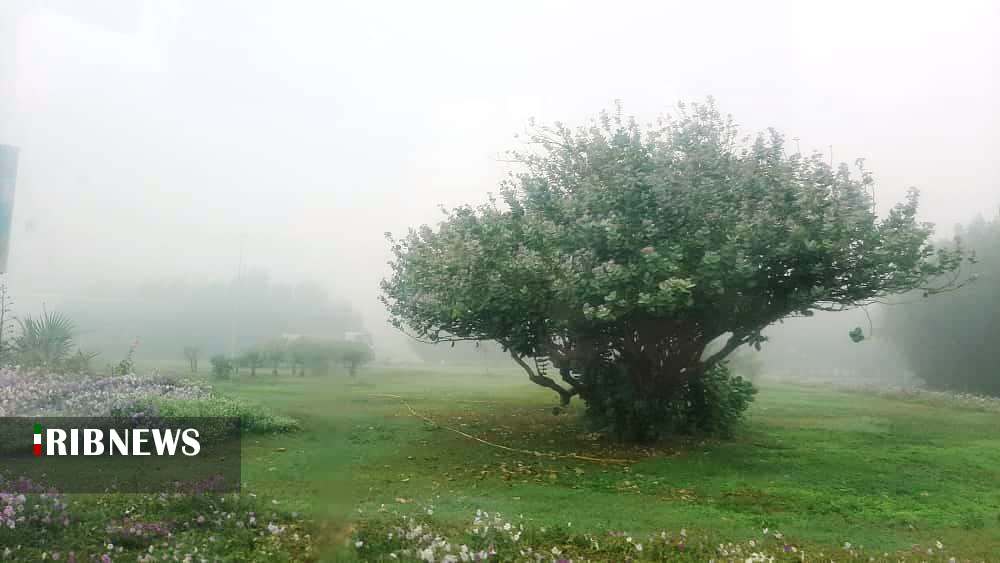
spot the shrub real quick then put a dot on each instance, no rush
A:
(254, 418)
(45, 341)
(127, 365)
(222, 367)
(712, 404)
(80, 362)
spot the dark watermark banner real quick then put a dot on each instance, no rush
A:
(125, 455)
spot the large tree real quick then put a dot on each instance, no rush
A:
(618, 253)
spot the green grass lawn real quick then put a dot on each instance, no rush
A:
(823, 466)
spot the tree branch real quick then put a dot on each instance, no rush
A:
(734, 342)
(538, 379)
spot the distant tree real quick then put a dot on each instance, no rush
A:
(354, 355)
(275, 352)
(321, 354)
(191, 353)
(253, 358)
(620, 253)
(222, 367)
(298, 353)
(953, 342)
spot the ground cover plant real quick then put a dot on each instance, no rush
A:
(40, 393)
(847, 474)
(191, 523)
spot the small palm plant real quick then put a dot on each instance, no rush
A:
(46, 341)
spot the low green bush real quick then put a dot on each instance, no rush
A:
(254, 419)
(712, 404)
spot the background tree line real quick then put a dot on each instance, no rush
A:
(215, 317)
(953, 341)
(295, 355)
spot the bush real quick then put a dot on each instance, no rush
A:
(254, 419)
(44, 341)
(80, 362)
(712, 404)
(222, 367)
(127, 365)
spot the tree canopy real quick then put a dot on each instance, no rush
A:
(618, 252)
(951, 342)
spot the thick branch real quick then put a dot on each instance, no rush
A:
(539, 379)
(734, 342)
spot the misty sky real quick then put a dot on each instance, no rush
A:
(155, 135)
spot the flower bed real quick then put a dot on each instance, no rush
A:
(38, 524)
(191, 524)
(38, 393)
(495, 537)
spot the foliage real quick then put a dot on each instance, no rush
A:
(818, 465)
(318, 354)
(222, 367)
(275, 352)
(624, 252)
(298, 352)
(253, 358)
(46, 393)
(712, 404)
(80, 362)
(127, 365)
(191, 354)
(354, 355)
(38, 524)
(254, 418)
(467, 353)
(747, 363)
(951, 342)
(44, 342)
(492, 536)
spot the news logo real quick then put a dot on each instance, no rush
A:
(113, 441)
(136, 453)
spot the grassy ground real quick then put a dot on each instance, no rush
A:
(824, 467)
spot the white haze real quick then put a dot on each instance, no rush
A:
(159, 136)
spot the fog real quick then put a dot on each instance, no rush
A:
(167, 141)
